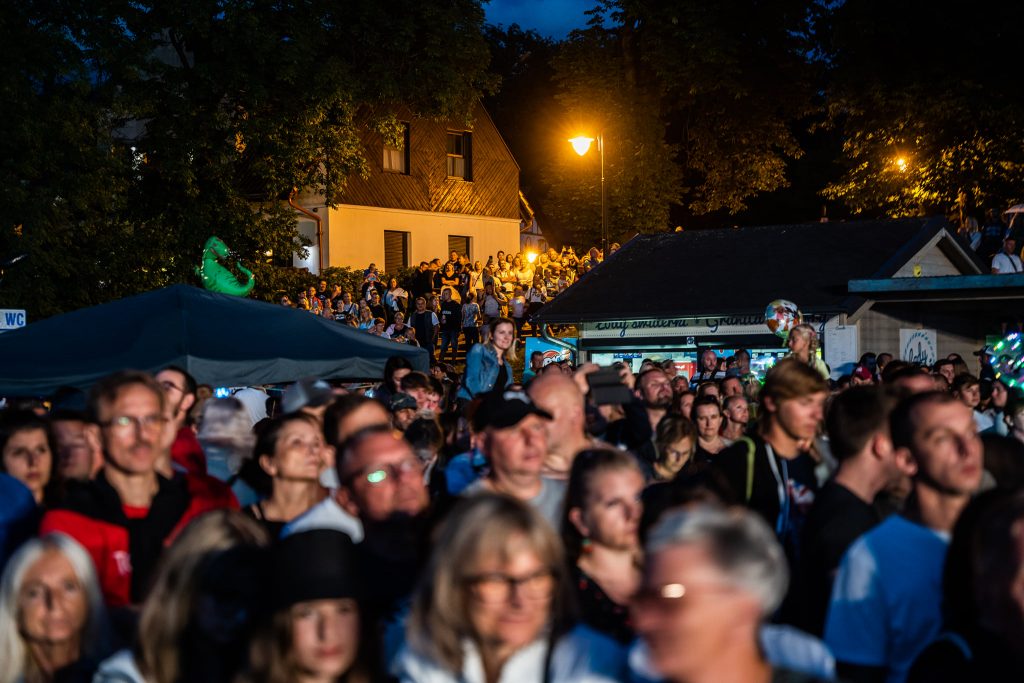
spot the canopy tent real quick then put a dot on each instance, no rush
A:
(222, 340)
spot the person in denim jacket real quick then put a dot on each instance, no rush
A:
(487, 364)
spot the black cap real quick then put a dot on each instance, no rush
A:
(501, 409)
(402, 401)
(308, 392)
(314, 565)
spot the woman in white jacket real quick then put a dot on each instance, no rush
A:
(493, 606)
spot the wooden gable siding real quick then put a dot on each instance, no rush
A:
(493, 191)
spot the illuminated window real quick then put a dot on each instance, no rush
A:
(460, 146)
(396, 160)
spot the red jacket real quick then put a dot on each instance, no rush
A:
(125, 544)
(187, 453)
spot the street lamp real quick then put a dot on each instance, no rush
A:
(581, 145)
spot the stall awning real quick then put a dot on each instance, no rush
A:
(222, 340)
(945, 288)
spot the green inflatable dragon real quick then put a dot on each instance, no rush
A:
(216, 277)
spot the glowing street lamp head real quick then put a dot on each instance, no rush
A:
(901, 163)
(581, 144)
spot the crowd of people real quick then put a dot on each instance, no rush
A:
(574, 524)
(997, 244)
(444, 303)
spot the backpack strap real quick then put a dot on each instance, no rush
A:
(959, 642)
(751, 448)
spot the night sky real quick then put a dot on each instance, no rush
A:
(551, 18)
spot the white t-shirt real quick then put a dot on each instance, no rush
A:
(887, 597)
(518, 306)
(1005, 264)
(580, 656)
(326, 514)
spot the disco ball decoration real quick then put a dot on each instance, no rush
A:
(1008, 360)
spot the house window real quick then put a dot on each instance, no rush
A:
(396, 160)
(460, 147)
(396, 251)
(459, 244)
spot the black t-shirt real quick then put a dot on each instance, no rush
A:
(975, 655)
(502, 379)
(600, 612)
(785, 511)
(451, 316)
(837, 518)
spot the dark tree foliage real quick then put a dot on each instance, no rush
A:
(928, 101)
(133, 131)
(696, 102)
(525, 110)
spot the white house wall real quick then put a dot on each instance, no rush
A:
(355, 234)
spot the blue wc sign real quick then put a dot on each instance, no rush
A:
(11, 319)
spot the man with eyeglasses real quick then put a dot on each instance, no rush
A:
(180, 390)
(712, 579)
(128, 512)
(382, 503)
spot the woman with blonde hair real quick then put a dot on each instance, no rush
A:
(803, 345)
(488, 364)
(52, 619)
(195, 623)
(494, 605)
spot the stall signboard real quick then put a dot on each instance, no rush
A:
(684, 327)
(918, 346)
(552, 353)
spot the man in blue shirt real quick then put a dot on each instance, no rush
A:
(886, 600)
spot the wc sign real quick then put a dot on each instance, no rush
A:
(11, 319)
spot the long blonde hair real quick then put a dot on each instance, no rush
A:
(171, 602)
(510, 355)
(808, 331)
(485, 525)
(15, 660)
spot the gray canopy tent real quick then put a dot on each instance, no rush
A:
(222, 340)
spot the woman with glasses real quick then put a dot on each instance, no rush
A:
(53, 623)
(494, 605)
(600, 529)
(291, 453)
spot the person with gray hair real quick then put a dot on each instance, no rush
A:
(227, 438)
(53, 624)
(712, 578)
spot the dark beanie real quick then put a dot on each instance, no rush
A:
(314, 565)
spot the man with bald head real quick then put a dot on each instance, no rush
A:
(561, 396)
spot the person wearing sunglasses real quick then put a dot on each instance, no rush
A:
(494, 605)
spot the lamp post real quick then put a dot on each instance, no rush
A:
(581, 145)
